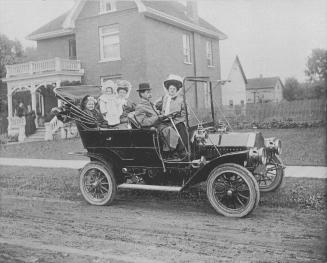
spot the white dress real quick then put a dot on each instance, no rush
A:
(109, 107)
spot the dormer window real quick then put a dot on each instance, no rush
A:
(107, 6)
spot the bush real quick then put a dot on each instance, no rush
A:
(4, 138)
(278, 124)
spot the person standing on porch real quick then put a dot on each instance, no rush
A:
(30, 121)
(20, 111)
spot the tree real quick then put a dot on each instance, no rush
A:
(317, 66)
(30, 54)
(291, 89)
(11, 51)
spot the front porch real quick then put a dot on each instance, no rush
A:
(32, 83)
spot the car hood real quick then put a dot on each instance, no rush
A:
(234, 139)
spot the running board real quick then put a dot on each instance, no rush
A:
(150, 187)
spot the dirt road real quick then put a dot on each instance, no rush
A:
(138, 229)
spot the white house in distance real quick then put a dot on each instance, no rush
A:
(234, 92)
(262, 90)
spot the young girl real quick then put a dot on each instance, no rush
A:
(109, 106)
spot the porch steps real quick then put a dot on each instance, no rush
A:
(37, 136)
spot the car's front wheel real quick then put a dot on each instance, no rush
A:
(232, 190)
(271, 178)
(97, 183)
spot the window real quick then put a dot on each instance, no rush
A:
(187, 48)
(109, 43)
(107, 6)
(207, 97)
(114, 78)
(231, 103)
(209, 54)
(72, 48)
(242, 102)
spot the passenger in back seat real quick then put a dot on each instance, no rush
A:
(125, 106)
(109, 106)
(88, 105)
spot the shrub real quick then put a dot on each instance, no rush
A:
(4, 138)
(278, 124)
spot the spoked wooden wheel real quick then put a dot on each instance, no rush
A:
(272, 176)
(97, 183)
(232, 190)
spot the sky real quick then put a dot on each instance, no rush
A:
(271, 37)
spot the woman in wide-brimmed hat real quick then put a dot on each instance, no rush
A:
(125, 106)
(173, 103)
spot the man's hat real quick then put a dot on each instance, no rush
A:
(175, 80)
(123, 84)
(143, 87)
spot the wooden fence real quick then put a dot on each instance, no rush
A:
(299, 111)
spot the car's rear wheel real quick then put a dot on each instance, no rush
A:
(272, 176)
(97, 183)
(232, 190)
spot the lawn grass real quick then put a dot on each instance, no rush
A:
(299, 193)
(301, 146)
(57, 150)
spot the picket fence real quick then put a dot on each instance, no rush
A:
(299, 111)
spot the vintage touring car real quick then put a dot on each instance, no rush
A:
(235, 166)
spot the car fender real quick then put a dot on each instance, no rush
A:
(108, 158)
(202, 173)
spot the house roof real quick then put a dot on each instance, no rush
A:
(177, 10)
(168, 11)
(54, 25)
(262, 83)
(238, 63)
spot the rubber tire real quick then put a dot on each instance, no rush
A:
(108, 172)
(247, 177)
(278, 179)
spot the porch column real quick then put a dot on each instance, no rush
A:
(10, 113)
(59, 102)
(33, 97)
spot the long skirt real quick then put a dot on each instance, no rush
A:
(183, 133)
(170, 138)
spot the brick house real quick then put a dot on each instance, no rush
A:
(261, 90)
(134, 40)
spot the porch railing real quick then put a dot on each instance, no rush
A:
(49, 65)
(51, 128)
(17, 121)
(17, 127)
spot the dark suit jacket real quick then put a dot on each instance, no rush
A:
(146, 114)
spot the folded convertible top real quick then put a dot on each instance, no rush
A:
(77, 92)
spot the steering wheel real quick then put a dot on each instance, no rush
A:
(172, 115)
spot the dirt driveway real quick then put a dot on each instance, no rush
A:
(138, 229)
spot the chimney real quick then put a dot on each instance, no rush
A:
(192, 10)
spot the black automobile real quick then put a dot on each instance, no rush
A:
(235, 166)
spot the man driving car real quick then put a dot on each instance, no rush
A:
(147, 115)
